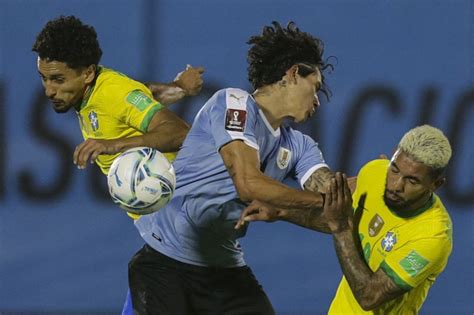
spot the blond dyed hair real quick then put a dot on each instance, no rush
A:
(427, 145)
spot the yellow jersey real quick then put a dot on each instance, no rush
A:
(412, 250)
(116, 107)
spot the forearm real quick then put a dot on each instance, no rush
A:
(355, 269)
(159, 141)
(278, 195)
(168, 136)
(166, 93)
(311, 219)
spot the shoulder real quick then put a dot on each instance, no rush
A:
(231, 98)
(294, 134)
(372, 176)
(436, 221)
(374, 168)
(113, 84)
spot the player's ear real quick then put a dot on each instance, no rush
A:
(439, 182)
(90, 74)
(292, 73)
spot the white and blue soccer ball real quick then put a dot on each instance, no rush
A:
(141, 180)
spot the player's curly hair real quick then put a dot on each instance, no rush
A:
(427, 145)
(277, 49)
(66, 39)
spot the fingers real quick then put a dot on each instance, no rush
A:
(190, 80)
(86, 151)
(330, 193)
(253, 207)
(257, 211)
(199, 69)
(342, 187)
(347, 190)
(383, 157)
(339, 188)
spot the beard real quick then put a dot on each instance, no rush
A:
(401, 205)
(60, 107)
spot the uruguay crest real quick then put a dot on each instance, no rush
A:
(389, 241)
(284, 157)
(94, 121)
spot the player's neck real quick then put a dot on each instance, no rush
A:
(270, 104)
(85, 97)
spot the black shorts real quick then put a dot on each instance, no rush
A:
(162, 285)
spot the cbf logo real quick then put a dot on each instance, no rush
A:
(94, 121)
(389, 241)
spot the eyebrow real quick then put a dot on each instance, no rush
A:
(407, 176)
(53, 76)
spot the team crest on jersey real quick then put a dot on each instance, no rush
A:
(375, 225)
(389, 241)
(235, 119)
(94, 121)
(284, 156)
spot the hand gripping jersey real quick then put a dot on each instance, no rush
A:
(116, 107)
(197, 226)
(412, 250)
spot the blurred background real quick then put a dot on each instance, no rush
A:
(64, 247)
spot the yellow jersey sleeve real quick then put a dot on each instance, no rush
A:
(136, 108)
(411, 264)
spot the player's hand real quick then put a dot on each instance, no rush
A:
(258, 211)
(338, 204)
(383, 156)
(352, 182)
(90, 149)
(190, 80)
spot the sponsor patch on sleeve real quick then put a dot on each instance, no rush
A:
(235, 119)
(139, 99)
(413, 263)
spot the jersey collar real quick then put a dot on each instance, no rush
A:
(416, 212)
(274, 132)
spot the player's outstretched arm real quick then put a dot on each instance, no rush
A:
(260, 211)
(187, 83)
(243, 166)
(166, 132)
(371, 289)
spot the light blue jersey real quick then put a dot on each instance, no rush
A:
(197, 226)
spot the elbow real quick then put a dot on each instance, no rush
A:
(367, 301)
(244, 192)
(246, 189)
(367, 305)
(182, 132)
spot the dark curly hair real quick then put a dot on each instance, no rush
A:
(277, 49)
(66, 39)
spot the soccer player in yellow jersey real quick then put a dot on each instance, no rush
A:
(403, 228)
(115, 112)
(393, 237)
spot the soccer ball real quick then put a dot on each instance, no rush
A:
(141, 180)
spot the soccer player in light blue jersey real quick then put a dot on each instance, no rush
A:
(239, 149)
